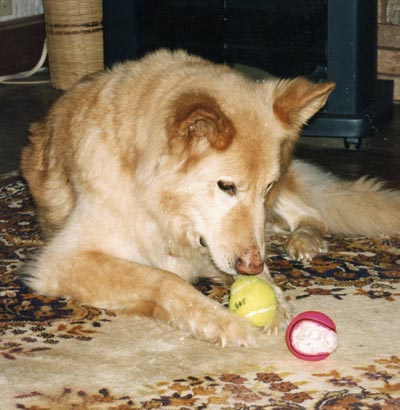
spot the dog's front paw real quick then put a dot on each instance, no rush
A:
(217, 325)
(283, 309)
(305, 243)
(282, 315)
(280, 320)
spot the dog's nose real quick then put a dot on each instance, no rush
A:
(250, 263)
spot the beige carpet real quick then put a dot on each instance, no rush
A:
(55, 354)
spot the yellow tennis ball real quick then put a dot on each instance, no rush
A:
(253, 299)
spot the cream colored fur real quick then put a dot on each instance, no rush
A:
(324, 203)
(162, 170)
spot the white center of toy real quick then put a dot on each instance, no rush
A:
(310, 338)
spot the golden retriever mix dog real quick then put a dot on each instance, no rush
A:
(165, 169)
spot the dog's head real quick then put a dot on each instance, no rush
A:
(231, 153)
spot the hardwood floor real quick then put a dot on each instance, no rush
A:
(379, 156)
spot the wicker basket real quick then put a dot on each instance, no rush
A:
(74, 39)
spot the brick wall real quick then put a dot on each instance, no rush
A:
(389, 43)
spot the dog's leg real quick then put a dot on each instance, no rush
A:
(104, 281)
(307, 240)
(306, 229)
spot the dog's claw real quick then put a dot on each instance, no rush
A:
(280, 321)
(304, 244)
(217, 325)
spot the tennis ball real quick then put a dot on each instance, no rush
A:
(253, 299)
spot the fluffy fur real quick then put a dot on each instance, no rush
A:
(165, 169)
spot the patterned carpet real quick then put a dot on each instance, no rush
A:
(57, 355)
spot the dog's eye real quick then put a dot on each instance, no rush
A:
(269, 186)
(228, 187)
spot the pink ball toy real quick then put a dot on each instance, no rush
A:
(311, 336)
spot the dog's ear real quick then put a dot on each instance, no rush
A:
(197, 116)
(297, 100)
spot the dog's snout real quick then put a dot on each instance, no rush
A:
(249, 263)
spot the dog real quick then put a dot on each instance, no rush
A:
(171, 167)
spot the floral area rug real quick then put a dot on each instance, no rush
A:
(58, 355)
